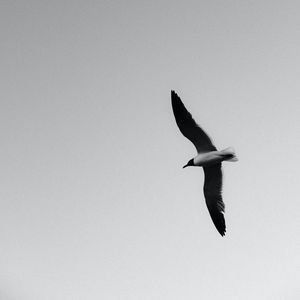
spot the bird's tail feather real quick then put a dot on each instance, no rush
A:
(230, 154)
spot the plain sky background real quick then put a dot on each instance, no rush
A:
(94, 201)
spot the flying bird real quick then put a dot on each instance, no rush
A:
(208, 157)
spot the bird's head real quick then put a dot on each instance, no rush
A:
(190, 163)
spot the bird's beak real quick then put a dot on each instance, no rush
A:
(185, 166)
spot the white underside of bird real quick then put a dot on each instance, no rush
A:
(214, 157)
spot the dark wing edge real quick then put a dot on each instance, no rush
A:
(213, 196)
(188, 127)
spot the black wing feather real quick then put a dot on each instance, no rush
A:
(188, 127)
(213, 196)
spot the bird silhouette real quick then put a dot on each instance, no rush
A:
(208, 157)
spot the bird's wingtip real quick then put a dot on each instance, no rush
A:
(222, 232)
(174, 95)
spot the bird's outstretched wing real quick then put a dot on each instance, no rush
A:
(188, 127)
(213, 196)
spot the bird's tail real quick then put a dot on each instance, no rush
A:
(229, 154)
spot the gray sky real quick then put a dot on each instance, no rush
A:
(94, 201)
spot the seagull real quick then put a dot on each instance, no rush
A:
(208, 157)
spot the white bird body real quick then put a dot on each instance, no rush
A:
(214, 157)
